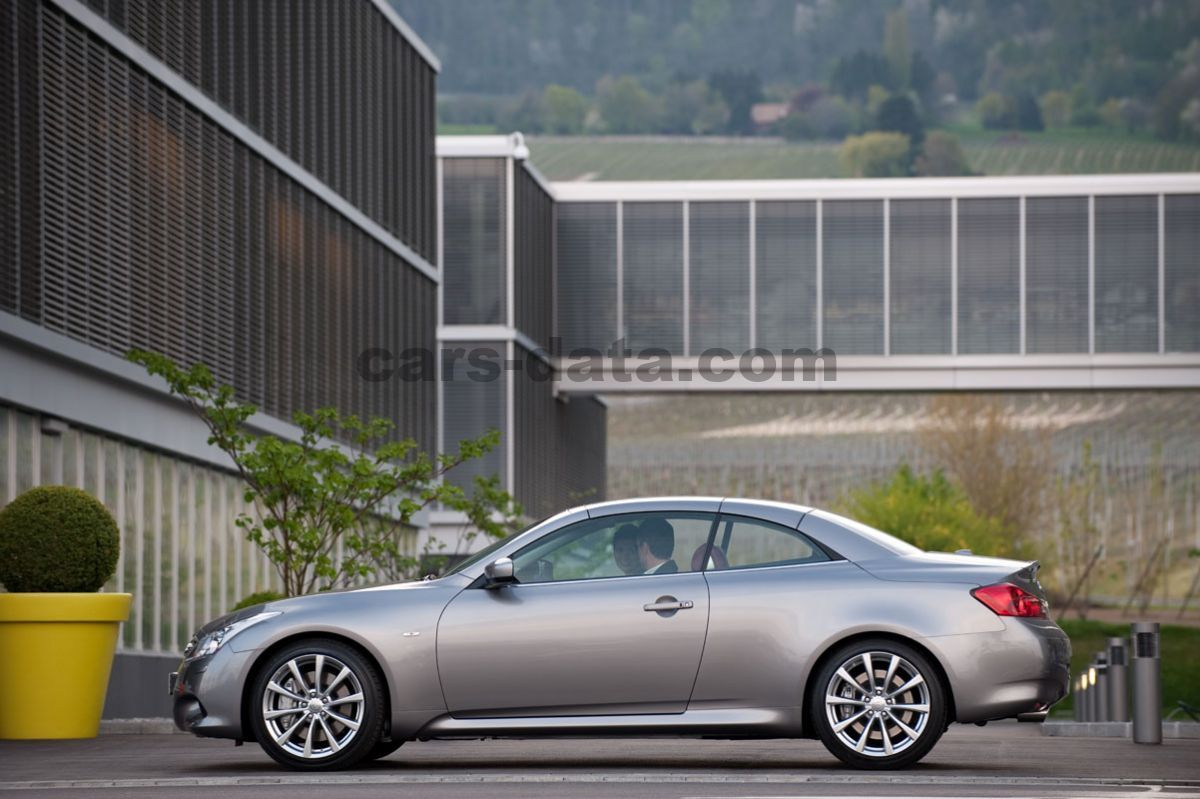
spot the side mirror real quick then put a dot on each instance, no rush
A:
(500, 572)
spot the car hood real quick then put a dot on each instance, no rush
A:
(313, 601)
(952, 568)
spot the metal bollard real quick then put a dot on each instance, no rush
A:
(1118, 680)
(1090, 677)
(1079, 697)
(1147, 684)
(1100, 663)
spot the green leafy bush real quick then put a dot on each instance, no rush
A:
(875, 155)
(928, 511)
(258, 598)
(57, 538)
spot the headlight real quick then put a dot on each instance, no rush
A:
(210, 642)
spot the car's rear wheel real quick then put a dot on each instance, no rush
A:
(878, 704)
(317, 705)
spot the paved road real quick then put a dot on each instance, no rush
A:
(1001, 760)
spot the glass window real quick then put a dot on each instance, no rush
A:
(742, 543)
(617, 546)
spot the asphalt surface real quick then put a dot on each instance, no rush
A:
(1001, 760)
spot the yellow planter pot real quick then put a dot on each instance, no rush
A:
(57, 655)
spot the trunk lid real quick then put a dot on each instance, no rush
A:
(947, 567)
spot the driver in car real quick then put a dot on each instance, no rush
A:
(625, 550)
(656, 545)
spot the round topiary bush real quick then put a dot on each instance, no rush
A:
(57, 538)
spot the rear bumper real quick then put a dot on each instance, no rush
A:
(1017, 672)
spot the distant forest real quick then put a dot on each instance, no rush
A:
(1104, 48)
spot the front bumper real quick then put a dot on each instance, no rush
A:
(207, 694)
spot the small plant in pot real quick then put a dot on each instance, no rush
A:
(58, 546)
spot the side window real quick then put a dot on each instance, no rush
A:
(742, 543)
(617, 546)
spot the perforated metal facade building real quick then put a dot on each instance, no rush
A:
(249, 184)
(1057, 282)
(498, 235)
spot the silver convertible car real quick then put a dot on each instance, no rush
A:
(717, 618)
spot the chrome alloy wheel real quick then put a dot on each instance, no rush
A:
(877, 704)
(313, 706)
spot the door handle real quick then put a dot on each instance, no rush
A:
(668, 603)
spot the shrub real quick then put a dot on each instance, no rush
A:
(997, 111)
(1056, 108)
(258, 598)
(929, 512)
(941, 155)
(57, 538)
(875, 155)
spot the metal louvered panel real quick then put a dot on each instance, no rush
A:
(919, 269)
(473, 283)
(533, 256)
(988, 276)
(719, 276)
(1056, 274)
(316, 79)
(166, 233)
(1182, 272)
(652, 276)
(560, 457)
(10, 202)
(1127, 274)
(473, 402)
(587, 276)
(852, 277)
(786, 275)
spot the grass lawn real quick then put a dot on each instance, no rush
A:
(706, 158)
(1180, 659)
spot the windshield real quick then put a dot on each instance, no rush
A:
(492, 547)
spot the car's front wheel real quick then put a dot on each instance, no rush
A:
(878, 704)
(316, 705)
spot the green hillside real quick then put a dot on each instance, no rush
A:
(725, 158)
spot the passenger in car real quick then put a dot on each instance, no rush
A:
(625, 549)
(656, 546)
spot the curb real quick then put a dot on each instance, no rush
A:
(155, 726)
(1115, 729)
(564, 779)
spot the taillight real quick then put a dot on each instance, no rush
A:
(1006, 599)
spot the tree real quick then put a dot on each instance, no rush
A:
(941, 156)
(525, 114)
(1056, 108)
(875, 155)
(1078, 535)
(927, 511)
(344, 483)
(1001, 468)
(830, 118)
(854, 75)
(740, 90)
(625, 106)
(692, 107)
(563, 110)
(1029, 115)
(896, 48)
(996, 111)
(898, 113)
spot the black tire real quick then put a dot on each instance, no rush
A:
(357, 744)
(877, 718)
(383, 749)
